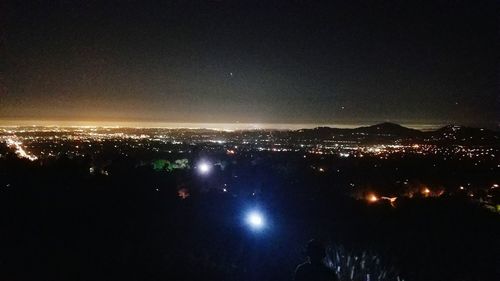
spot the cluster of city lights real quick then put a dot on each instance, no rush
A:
(47, 139)
(19, 150)
(48, 142)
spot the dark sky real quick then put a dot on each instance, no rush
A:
(251, 61)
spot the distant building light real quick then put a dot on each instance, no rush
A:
(372, 198)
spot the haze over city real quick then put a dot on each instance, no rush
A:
(245, 62)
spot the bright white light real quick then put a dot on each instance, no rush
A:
(21, 153)
(255, 220)
(204, 168)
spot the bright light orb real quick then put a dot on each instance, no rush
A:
(255, 220)
(372, 198)
(204, 168)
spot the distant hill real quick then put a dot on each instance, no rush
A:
(464, 135)
(451, 134)
(382, 129)
(388, 128)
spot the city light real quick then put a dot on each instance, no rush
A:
(372, 198)
(392, 200)
(21, 153)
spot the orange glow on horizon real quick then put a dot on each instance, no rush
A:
(194, 125)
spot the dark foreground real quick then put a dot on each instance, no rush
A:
(60, 223)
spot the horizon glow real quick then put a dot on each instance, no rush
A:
(209, 126)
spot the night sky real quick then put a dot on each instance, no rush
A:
(251, 61)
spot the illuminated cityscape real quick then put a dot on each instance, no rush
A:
(264, 181)
(320, 153)
(235, 140)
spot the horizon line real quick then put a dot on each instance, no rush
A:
(207, 125)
